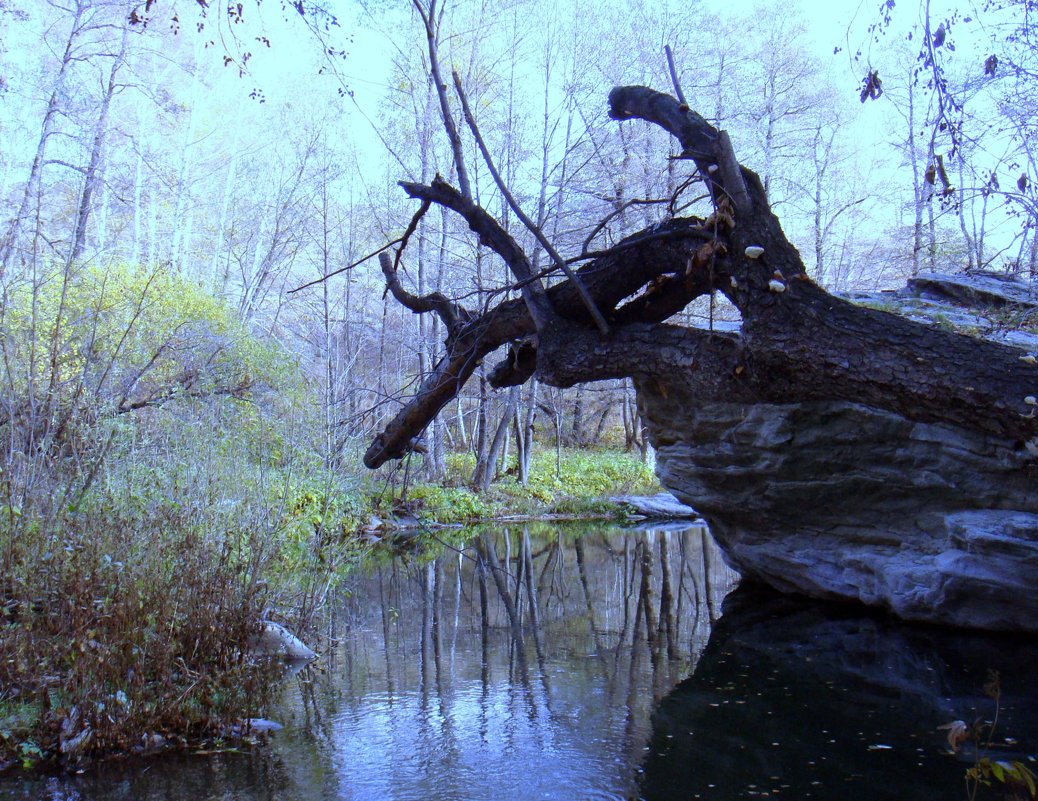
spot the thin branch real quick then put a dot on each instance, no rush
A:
(453, 315)
(431, 35)
(674, 75)
(411, 227)
(640, 239)
(493, 236)
(617, 211)
(585, 296)
(350, 266)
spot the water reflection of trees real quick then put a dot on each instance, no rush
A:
(551, 596)
(525, 664)
(597, 626)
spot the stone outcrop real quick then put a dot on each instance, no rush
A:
(837, 500)
(661, 506)
(275, 640)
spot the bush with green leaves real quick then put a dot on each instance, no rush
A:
(580, 487)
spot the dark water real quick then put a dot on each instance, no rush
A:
(428, 694)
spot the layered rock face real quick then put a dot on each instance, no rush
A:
(845, 502)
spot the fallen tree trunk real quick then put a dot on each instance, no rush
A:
(834, 449)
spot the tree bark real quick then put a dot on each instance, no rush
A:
(796, 343)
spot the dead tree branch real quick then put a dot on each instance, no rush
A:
(452, 314)
(534, 229)
(610, 279)
(797, 343)
(492, 235)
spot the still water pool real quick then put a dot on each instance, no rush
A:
(596, 663)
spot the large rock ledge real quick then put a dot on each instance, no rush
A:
(844, 502)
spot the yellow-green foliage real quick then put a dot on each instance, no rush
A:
(459, 468)
(121, 335)
(590, 473)
(449, 504)
(316, 529)
(581, 487)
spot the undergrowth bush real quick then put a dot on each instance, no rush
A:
(161, 493)
(448, 504)
(117, 627)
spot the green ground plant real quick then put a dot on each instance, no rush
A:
(580, 487)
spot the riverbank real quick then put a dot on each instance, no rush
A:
(124, 627)
(570, 483)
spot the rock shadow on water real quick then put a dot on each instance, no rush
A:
(793, 699)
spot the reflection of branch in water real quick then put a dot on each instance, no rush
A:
(535, 620)
(457, 606)
(645, 600)
(631, 700)
(696, 596)
(531, 593)
(679, 594)
(578, 546)
(549, 573)
(484, 623)
(628, 585)
(519, 575)
(437, 631)
(559, 587)
(486, 548)
(426, 579)
(707, 568)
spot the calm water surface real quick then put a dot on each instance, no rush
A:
(596, 664)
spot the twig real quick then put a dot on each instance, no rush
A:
(359, 261)
(674, 75)
(623, 207)
(411, 226)
(493, 236)
(452, 314)
(432, 34)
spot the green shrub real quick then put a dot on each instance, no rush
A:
(590, 473)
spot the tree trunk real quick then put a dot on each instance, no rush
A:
(10, 243)
(801, 357)
(490, 465)
(92, 175)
